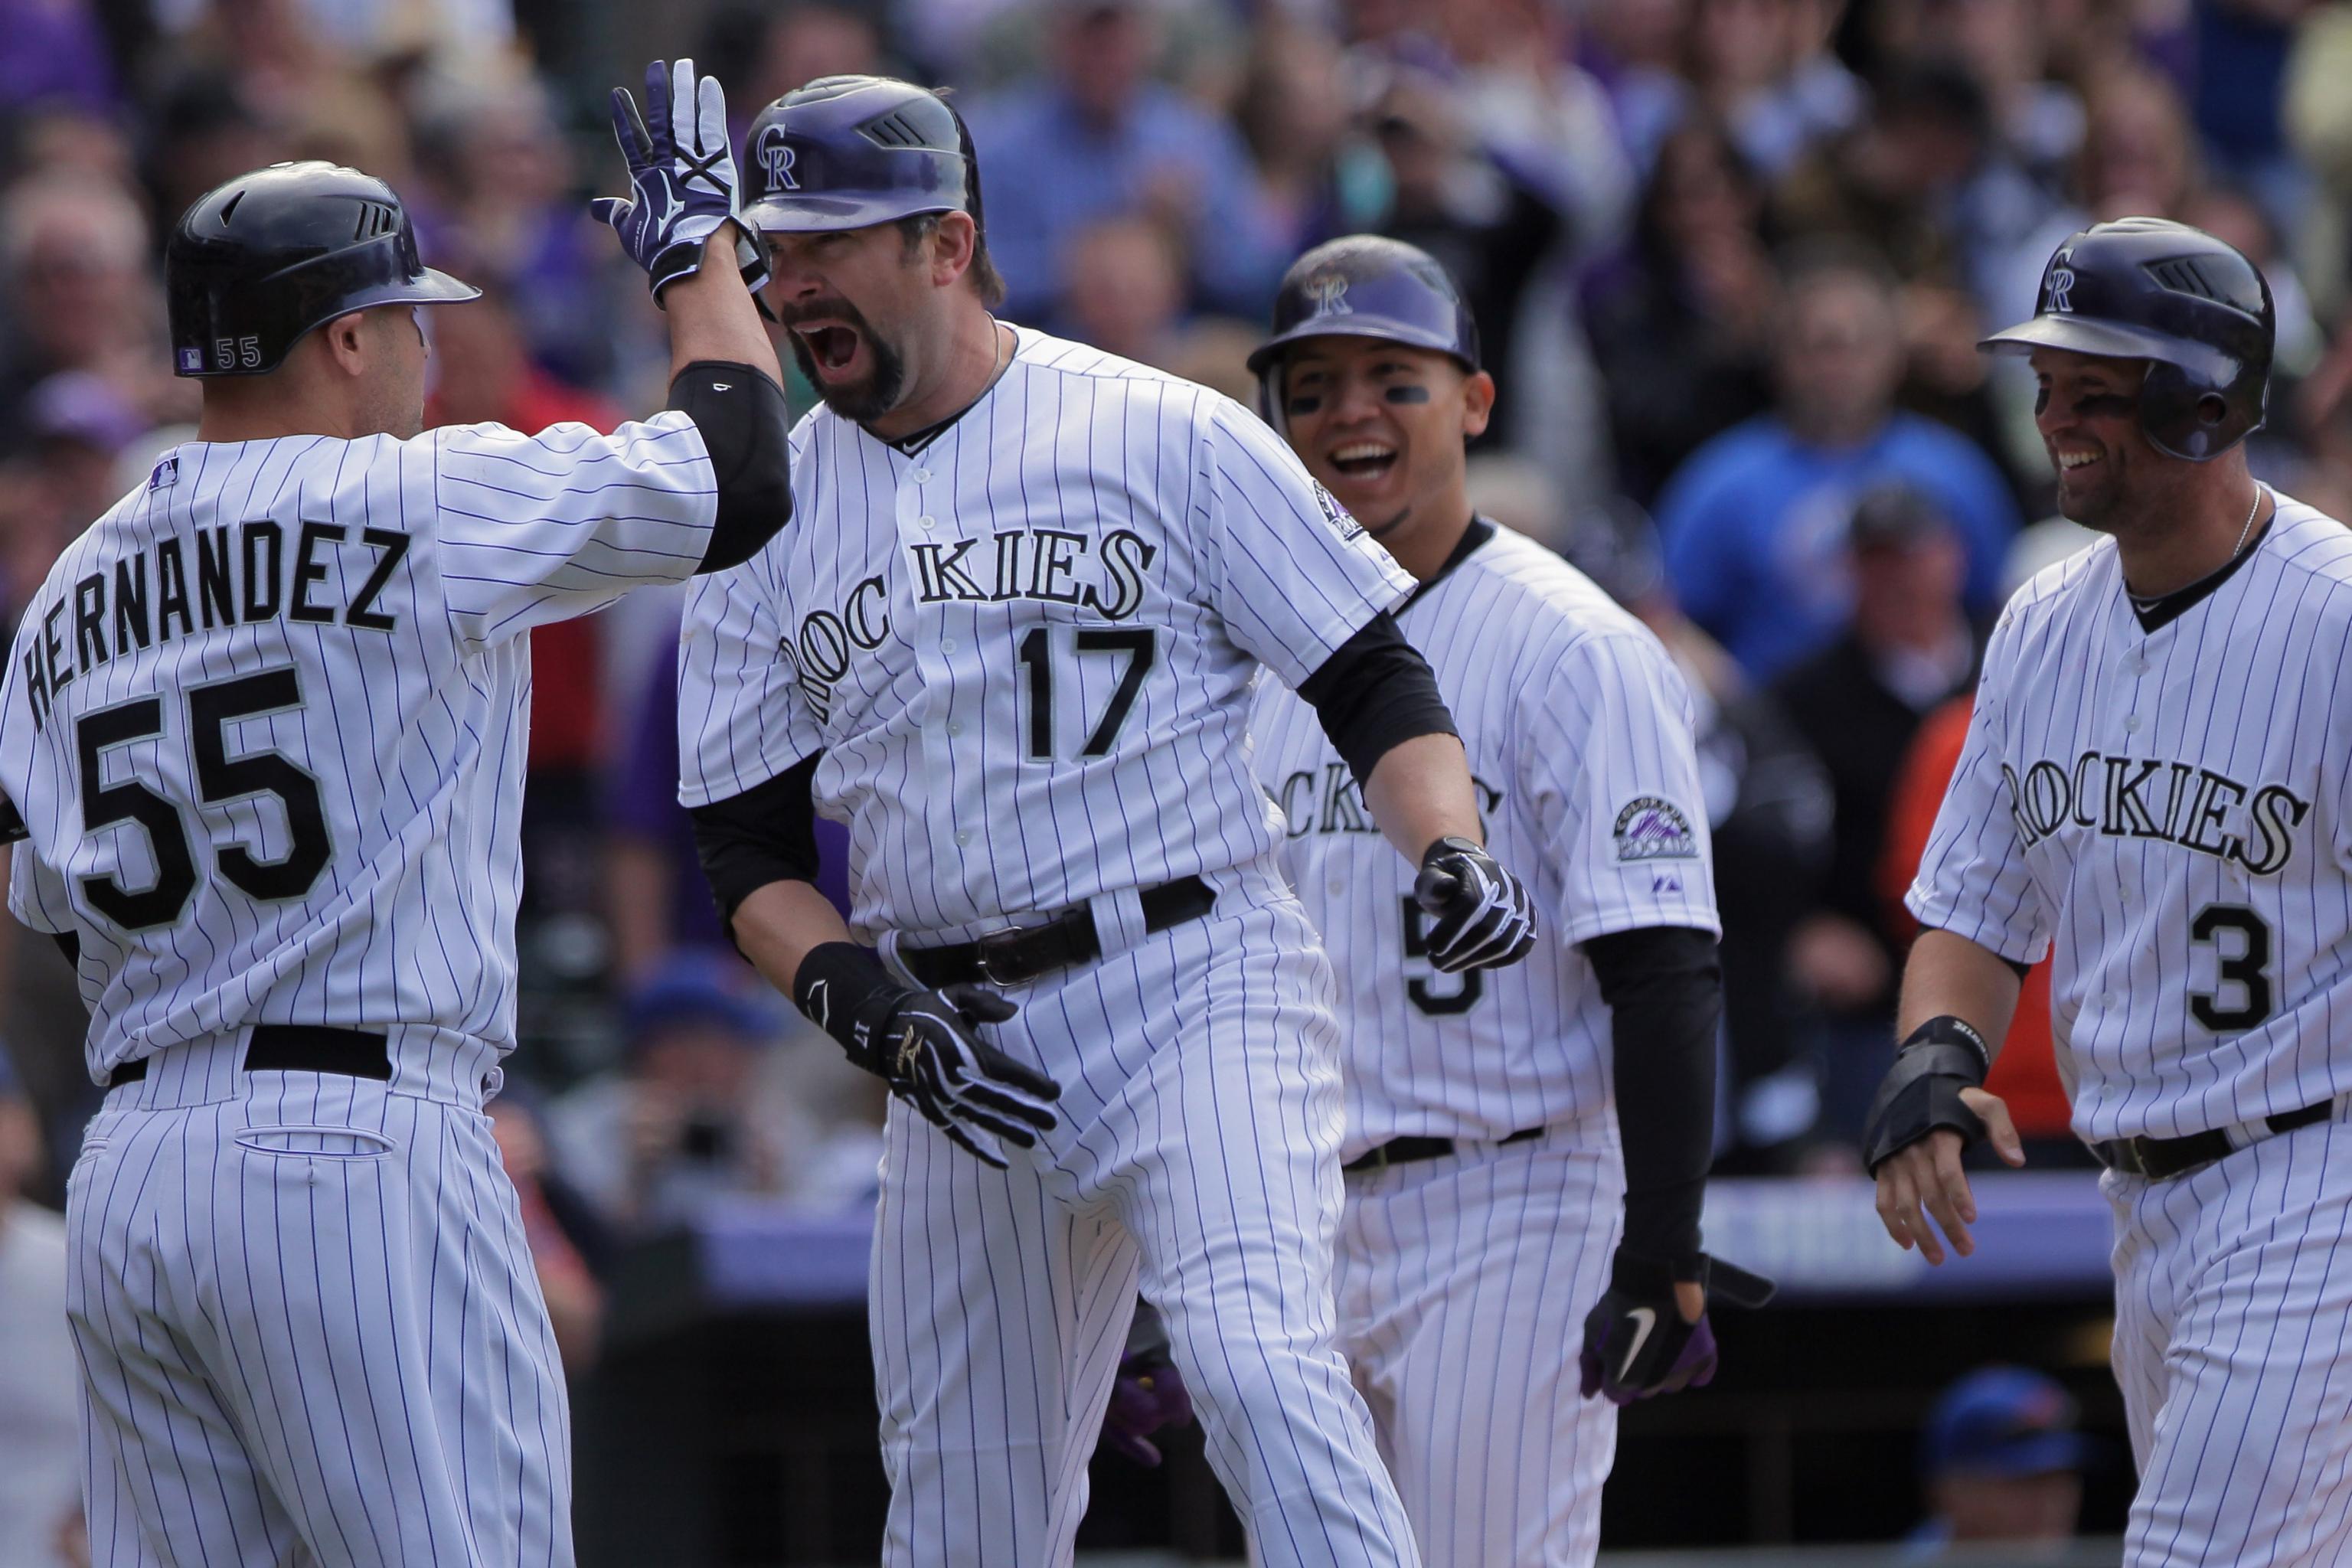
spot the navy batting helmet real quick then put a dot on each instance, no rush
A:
(1363, 286)
(845, 152)
(2195, 308)
(255, 263)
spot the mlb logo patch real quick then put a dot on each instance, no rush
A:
(166, 472)
(1650, 828)
(191, 361)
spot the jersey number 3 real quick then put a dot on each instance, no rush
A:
(2241, 943)
(220, 778)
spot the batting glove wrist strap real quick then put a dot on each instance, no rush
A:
(1480, 915)
(924, 1044)
(843, 990)
(1922, 1091)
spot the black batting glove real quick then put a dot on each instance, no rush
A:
(1483, 917)
(1636, 1343)
(924, 1044)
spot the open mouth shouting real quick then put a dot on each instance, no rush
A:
(830, 345)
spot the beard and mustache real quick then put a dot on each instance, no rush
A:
(869, 397)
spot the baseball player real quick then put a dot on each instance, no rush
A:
(2153, 784)
(1012, 646)
(265, 722)
(1486, 1170)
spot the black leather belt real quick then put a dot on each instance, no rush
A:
(1012, 957)
(1403, 1151)
(295, 1047)
(2159, 1159)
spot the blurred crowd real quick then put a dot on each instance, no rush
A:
(1729, 257)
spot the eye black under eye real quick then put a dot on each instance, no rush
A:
(1305, 405)
(1407, 393)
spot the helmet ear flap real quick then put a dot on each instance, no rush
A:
(2187, 420)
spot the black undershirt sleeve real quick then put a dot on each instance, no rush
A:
(767, 833)
(69, 944)
(1664, 990)
(747, 429)
(1374, 693)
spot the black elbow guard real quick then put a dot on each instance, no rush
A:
(747, 429)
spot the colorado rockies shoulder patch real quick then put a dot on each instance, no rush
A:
(1343, 522)
(1650, 828)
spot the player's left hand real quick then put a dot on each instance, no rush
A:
(1642, 1337)
(684, 186)
(1483, 918)
(1148, 1393)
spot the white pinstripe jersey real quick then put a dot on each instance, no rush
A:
(1578, 731)
(266, 718)
(1025, 648)
(2169, 809)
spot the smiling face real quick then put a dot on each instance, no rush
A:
(1383, 427)
(859, 306)
(2087, 409)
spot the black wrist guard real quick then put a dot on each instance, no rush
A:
(844, 991)
(1922, 1092)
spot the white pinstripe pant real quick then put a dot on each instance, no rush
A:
(2233, 1346)
(1462, 1286)
(309, 1329)
(1199, 1157)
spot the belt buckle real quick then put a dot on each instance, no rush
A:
(1005, 939)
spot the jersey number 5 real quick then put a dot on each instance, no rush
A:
(220, 778)
(1142, 651)
(1436, 1004)
(2247, 968)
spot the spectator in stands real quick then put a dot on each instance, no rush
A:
(569, 1245)
(1096, 137)
(1123, 289)
(1769, 813)
(1319, 175)
(1764, 69)
(1755, 523)
(1857, 703)
(1680, 320)
(689, 1118)
(761, 52)
(2001, 1462)
(80, 295)
(506, 185)
(41, 1393)
(55, 56)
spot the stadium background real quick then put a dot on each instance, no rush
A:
(1730, 258)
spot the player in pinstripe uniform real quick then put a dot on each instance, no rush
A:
(1484, 1176)
(265, 723)
(1010, 643)
(2157, 784)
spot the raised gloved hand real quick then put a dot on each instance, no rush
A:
(1637, 1343)
(1148, 1392)
(682, 177)
(923, 1045)
(1483, 915)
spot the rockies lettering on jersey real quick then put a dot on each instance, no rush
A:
(2166, 808)
(1579, 733)
(266, 718)
(1025, 648)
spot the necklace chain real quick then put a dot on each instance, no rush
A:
(2249, 527)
